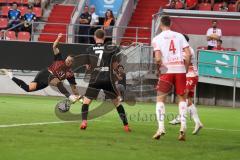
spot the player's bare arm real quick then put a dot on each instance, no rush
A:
(55, 44)
(187, 57)
(158, 57)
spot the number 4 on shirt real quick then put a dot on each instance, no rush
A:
(172, 47)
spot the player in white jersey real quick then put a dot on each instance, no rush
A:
(168, 46)
(192, 80)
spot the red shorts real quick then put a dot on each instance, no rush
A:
(190, 85)
(166, 83)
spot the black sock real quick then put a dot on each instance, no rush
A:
(84, 111)
(62, 89)
(122, 114)
(21, 84)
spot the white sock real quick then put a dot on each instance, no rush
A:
(183, 115)
(160, 112)
(194, 114)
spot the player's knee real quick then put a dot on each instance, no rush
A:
(116, 102)
(31, 87)
(86, 100)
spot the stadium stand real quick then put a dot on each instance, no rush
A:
(60, 17)
(24, 36)
(204, 6)
(3, 23)
(23, 10)
(232, 8)
(5, 10)
(37, 11)
(142, 17)
(11, 35)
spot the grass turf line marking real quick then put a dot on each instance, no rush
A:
(63, 122)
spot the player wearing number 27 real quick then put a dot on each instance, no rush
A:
(168, 47)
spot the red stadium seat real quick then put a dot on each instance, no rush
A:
(202, 48)
(231, 8)
(24, 36)
(217, 6)
(230, 49)
(23, 10)
(24, 1)
(3, 1)
(3, 23)
(205, 6)
(17, 1)
(5, 10)
(11, 35)
(37, 11)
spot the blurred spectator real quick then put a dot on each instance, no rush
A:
(28, 18)
(191, 4)
(219, 46)
(213, 34)
(171, 5)
(121, 82)
(108, 22)
(14, 16)
(224, 7)
(238, 6)
(37, 3)
(93, 23)
(85, 19)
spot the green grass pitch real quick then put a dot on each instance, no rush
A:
(105, 138)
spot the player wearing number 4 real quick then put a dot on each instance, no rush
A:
(192, 80)
(103, 60)
(168, 46)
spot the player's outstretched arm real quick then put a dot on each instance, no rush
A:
(55, 44)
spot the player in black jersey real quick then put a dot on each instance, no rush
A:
(53, 75)
(103, 59)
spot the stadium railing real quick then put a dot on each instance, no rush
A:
(136, 38)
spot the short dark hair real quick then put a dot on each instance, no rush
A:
(186, 37)
(100, 34)
(166, 21)
(214, 21)
(220, 41)
(14, 3)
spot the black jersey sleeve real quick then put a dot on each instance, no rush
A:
(58, 57)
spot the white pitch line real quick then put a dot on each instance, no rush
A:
(63, 122)
(34, 124)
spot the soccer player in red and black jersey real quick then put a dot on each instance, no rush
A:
(53, 75)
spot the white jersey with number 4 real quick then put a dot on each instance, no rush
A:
(171, 44)
(192, 69)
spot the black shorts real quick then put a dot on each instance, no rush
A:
(107, 86)
(42, 79)
(210, 47)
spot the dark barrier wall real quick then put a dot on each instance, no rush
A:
(33, 55)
